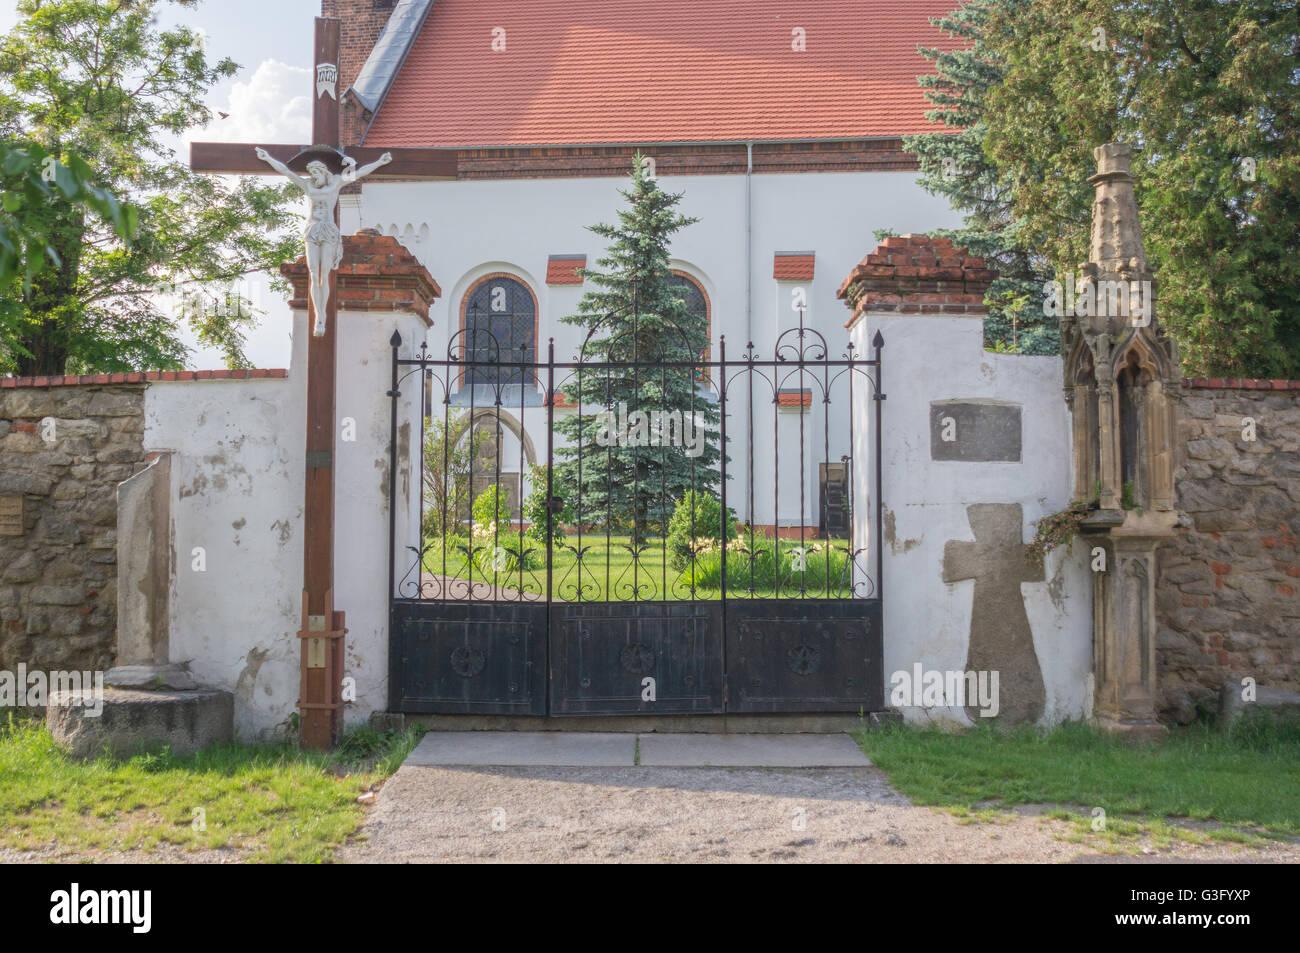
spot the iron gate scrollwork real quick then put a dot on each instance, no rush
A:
(689, 540)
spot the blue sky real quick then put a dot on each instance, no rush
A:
(268, 100)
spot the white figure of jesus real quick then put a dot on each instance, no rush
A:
(321, 238)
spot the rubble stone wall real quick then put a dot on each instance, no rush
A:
(1228, 593)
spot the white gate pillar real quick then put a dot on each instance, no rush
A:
(382, 289)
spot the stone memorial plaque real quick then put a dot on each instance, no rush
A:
(11, 516)
(975, 431)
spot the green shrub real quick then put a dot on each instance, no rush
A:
(535, 510)
(491, 505)
(497, 547)
(686, 536)
(764, 563)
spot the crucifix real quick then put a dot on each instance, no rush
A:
(321, 239)
(322, 170)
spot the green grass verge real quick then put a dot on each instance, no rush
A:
(273, 803)
(1248, 778)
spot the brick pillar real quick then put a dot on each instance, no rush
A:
(377, 274)
(917, 274)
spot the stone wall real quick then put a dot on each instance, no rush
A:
(63, 451)
(1228, 596)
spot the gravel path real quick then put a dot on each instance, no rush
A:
(711, 815)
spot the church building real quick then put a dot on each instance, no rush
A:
(781, 123)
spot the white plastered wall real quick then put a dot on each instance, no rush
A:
(930, 358)
(237, 495)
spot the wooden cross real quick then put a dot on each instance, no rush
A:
(320, 700)
(1000, 637)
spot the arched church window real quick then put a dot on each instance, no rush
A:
(500, 320)
(697, 303)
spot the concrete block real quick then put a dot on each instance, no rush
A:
(132, 721)
(1277, 703)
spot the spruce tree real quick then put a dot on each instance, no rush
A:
(953, 165)
(628, 477)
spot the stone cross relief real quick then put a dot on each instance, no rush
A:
(322, 240)
(1000, 637)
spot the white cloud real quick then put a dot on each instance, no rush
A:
(274, 105)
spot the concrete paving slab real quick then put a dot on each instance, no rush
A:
(499, 748)
(751, 751)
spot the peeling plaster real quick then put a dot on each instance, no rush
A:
(896, 546)
(248, 677)
(197, 487)
(1056, 587)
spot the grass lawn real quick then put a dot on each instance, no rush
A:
(1248, 780)
(267, 803)
(611, 573)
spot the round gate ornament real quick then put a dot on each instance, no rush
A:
(637, 658)
(467, 662)
(803, 659)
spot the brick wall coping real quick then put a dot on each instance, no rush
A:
(144, 377)
(1239, 383)
(917, 274)
(377, 273)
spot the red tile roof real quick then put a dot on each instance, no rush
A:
(563, 269)
(627, 71)
(793, 267)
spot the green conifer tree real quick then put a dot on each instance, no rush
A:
(953, 165)
(641, 354)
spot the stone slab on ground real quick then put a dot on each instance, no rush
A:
(134, 721)
(524, 748)
(751, 751)
(1270, 702)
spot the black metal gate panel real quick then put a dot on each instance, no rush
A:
(804, 656)
(553, 572)
(469, 657)
(636, 658)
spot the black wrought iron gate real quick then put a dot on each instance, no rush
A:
(598, 575)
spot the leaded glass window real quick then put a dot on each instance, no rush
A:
(500, 327)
